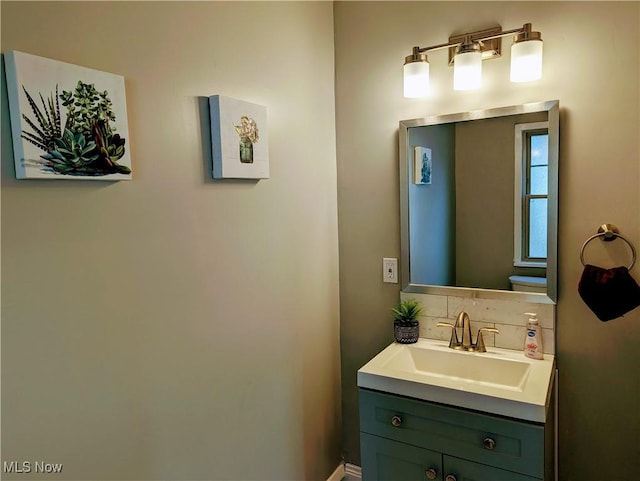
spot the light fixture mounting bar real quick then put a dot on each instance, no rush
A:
(490, 40)
(432, 48)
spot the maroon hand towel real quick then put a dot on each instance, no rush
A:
(609, 293)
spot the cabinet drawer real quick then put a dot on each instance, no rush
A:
(500, 442)
(386, 460)
(467, 471)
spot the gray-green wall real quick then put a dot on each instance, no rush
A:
(591, 65)
(485, 183)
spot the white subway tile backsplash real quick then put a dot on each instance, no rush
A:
(511, 337)
(499, 311)
(507, 316)
(548, 341)
(432, 306)
(429, 330)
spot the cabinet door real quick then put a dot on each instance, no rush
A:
(387, 460)
(463, 470)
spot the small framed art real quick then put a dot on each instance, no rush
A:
(422, 165)
(239, 139)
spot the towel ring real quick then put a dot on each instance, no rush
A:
(608, 232)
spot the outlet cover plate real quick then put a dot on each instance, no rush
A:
(390, 270)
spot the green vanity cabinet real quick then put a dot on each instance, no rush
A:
(409, 439)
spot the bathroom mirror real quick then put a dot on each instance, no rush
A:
(479, 203)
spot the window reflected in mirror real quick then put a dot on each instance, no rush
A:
(531, 194)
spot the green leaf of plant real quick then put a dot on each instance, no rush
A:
(89, 147)
(62, 168)
(57, 155)
(123, 169)
(68, 136)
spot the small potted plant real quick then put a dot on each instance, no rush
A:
(405, 322)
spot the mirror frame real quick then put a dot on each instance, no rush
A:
(552, 107)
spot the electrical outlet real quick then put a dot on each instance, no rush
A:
(390, 270)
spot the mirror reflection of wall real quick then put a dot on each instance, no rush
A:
(462, 229)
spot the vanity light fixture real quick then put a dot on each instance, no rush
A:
(467, 66)
(466, 53)
(526, 56)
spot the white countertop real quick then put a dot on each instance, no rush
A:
(499, 381)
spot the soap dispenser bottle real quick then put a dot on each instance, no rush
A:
(533, 339)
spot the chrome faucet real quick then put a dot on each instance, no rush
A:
(466, 344)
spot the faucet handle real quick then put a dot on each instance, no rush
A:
(454, 343)
(479, 345)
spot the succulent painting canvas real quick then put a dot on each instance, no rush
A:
(238, 139)
(67, 121)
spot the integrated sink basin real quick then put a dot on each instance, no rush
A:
(499, 381)
(457, 365)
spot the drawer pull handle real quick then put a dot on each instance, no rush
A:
(396, 421)
(489, 444)
(451, 477)
(431, 473)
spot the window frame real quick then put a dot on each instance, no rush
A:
(521, 198)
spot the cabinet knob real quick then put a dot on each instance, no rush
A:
(489, 444)
(431, 473)
(396, 421)
(451, 477)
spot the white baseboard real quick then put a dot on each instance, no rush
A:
(352, 471)
(349, 471)
(338, 474)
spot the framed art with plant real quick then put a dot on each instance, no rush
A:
(422, 165)
(67, 121)
(239, 139)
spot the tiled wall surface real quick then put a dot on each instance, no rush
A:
(507, 316)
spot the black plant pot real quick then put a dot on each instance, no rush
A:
(406, 332)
